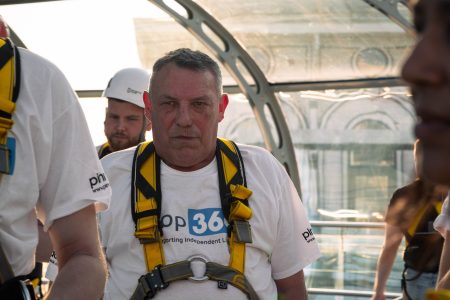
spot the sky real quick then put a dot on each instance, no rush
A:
(89, 40)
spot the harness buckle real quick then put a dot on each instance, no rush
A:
(243, 231)
(4, 159)
(152, 282)
(198, 267)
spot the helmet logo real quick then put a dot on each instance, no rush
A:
(130, 90)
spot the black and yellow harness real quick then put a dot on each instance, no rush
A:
(146, 211)
(423, 244)
(9, 91)
(103, 150)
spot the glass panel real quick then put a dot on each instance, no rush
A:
(239, 123)
(348, 261)
(353, 149)
(312, 40)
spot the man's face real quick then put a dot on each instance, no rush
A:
(428, 72)
(185, 111)
(124, 124)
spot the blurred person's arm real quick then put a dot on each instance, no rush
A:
(392, 239)
(292, 287)
(82, 268)
(444, 266)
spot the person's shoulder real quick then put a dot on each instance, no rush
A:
(253, 151)
(29, 59)
(256, 157)
(410, 191)
(119, 159)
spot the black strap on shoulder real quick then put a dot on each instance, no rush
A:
(18, 69)
(238, 178)
(7, 51)
(138, 181)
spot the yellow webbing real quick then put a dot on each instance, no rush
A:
(147, 227)
(229, 169)
(7, 75)
(432, 294)
(413, 227)
(102, 149)
(238, 211)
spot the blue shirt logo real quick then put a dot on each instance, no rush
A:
(207, 221)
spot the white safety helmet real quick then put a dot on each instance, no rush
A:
(128, 85)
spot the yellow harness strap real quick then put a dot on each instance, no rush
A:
(240, 212)
(9, 85)
(418, 218)
(432, 294)
(103, 150)
(146, 210)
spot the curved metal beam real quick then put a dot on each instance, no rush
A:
(390, 9)
(259, 92)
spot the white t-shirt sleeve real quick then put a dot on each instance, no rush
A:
(75, 178)
(296, 246)
(442, 222)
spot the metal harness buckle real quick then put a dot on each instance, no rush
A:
(4, 159)
(152, 282)
(198, 267)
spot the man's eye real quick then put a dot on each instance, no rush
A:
(168, 103)
(199, 104)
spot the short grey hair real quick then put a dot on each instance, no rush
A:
(189, 59)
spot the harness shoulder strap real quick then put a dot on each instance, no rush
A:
(146, 202)
(103, 150)
(422, 213)
(9, 92)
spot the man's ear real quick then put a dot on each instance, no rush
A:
(148, 106)
(222, 106)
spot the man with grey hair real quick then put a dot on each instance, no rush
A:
(225, 217)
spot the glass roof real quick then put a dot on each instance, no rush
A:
(314, 40)
(290, 40)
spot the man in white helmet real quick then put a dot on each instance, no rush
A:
(125, 123)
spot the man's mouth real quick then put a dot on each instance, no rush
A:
(120, 136)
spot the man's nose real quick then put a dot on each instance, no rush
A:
(184, 116)
(424, 66)
(121, 125)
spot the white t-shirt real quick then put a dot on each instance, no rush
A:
(283, 243)
(57, 171)
(442, 222)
